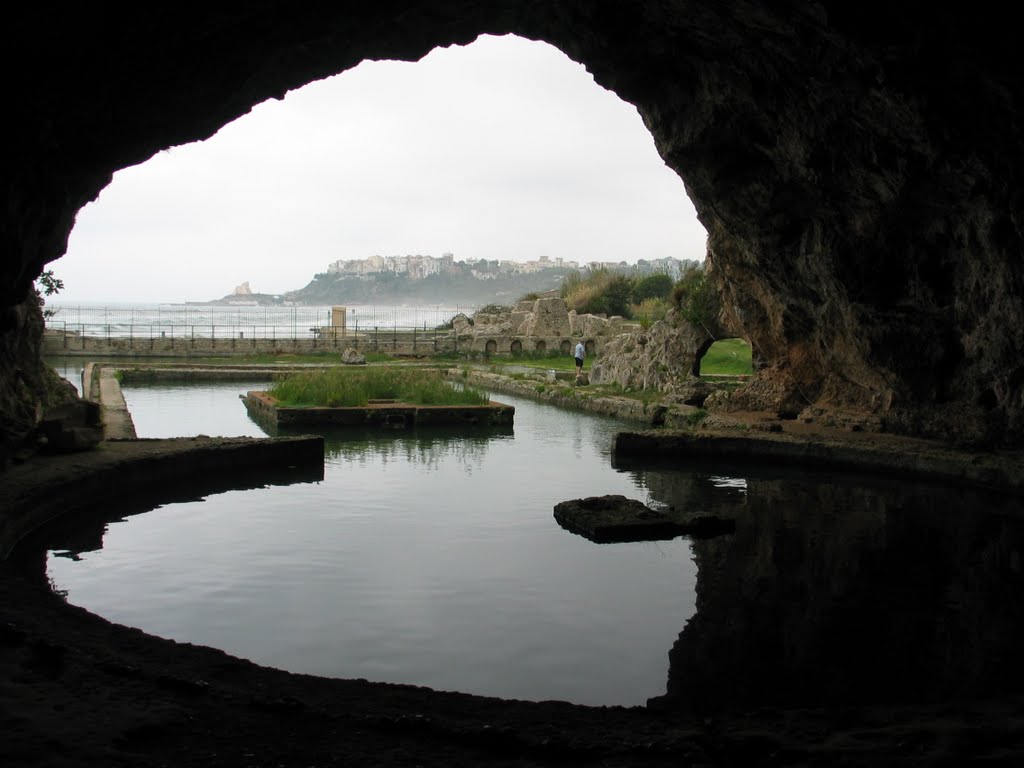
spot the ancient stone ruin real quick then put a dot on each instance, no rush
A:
(665, 357)
(544, 325)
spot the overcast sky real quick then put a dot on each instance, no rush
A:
(503, 149)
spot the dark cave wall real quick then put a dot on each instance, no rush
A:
(855, 167)
(27, 388)
(893, 592)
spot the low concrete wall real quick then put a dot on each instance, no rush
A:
(100, 385)
(917, 460)
(554, 391)
(266, 410)
(140, 472)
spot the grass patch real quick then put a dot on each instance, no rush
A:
(695, 418)
(730, 357)
(649, 311)
(345, 387)
(271, 359)
(549, 362)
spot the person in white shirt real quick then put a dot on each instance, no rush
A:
(579, 354)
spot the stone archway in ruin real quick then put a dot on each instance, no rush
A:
(857, 179)
(702, 350)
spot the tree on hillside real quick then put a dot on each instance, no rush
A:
(656, 286)
(696, 298)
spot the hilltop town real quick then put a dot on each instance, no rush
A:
(419, 267)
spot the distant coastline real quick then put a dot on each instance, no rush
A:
(425, 281)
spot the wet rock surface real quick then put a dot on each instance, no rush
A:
(606, 519)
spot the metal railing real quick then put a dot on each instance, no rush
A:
(177, 339)
(181, 322)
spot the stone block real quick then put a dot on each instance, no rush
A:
(352, 357)
(606, 519)
(550, 318)
(72, 427)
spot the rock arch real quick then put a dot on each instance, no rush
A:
(705, 346)
(860, 196)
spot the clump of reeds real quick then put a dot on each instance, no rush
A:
(345, 387)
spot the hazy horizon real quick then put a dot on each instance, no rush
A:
(501, 150)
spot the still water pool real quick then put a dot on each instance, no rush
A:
(430, 558)
(434, 559)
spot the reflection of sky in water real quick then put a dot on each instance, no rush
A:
(179, 410)
(72, 371)
(434, 559)
(737, 483)
(427, 558)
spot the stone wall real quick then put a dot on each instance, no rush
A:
(544, 325)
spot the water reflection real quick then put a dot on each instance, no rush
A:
(426, 557)
(76, 536)
(429, 447)
(433, 558)
(845, 590)
(428, 450)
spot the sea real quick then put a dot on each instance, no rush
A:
(228, 320)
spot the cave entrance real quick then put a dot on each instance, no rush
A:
(501, 150)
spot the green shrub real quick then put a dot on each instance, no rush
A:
(650, 311)
(696, 417)
(493, 309)
(695, 297)
(656, 286)
(600, 292)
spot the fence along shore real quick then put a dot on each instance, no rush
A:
(188, 330)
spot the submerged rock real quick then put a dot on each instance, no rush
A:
(614, 518)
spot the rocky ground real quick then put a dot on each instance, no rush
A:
(78, 690)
